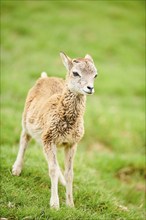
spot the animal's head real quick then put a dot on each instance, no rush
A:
(81, 74)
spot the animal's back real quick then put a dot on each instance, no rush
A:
(40, 94)
(46, 87)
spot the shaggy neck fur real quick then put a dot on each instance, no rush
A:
(71, 105)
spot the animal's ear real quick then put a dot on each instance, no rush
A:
(89, 58)
(66, 60)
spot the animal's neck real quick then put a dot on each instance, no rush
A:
(72, 104)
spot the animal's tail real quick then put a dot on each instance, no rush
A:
(44, 75)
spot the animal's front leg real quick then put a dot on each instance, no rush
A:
(69, 156)
(50, 152)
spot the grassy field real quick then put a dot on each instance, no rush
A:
(109, 181)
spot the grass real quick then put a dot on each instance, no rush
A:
(109, 182)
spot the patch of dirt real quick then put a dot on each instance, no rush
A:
(131, 173)
(140, 187)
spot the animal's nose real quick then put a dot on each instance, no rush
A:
(90, 88)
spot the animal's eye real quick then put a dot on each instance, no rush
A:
(76, 74)
(95, 76)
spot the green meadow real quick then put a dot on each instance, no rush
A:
(109, 167)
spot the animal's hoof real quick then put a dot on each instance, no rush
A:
(16, 170)
(54, 204)
(70, 204)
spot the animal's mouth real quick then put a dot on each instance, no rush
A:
(88, 92)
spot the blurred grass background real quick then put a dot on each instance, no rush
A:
(109, 165)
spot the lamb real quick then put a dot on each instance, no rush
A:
(53, 116)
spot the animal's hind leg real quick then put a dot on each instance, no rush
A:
(61, 177)
(17, 167)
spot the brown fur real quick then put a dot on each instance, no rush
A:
(55, 111)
